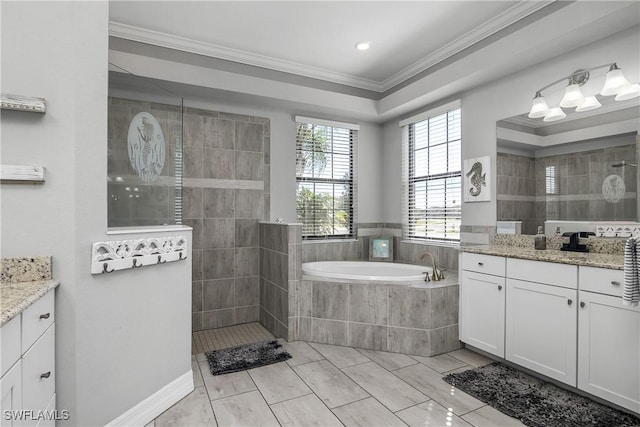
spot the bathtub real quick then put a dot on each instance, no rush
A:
(364, 270)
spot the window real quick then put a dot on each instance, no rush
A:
(432, 175)
(325, 178)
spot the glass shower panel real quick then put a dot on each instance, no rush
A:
(144, 172)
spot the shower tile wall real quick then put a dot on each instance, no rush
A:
(567, 187)
(225, 195)
(280, 273)
(516, 191)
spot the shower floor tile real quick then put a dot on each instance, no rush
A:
(231, 336)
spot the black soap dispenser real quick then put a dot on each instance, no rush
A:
(540, 240)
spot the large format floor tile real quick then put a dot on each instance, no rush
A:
(390, 390)
(441, 363)
(430, 383)
(247, 409)
(489, 417)
(300, 352)
(340, 356)
(431, 414)
(193, 410)
(304, 411)
(366, 413)
(471, 358)
(330, 384)
(388, 360)
(278, 382)
(219, 386)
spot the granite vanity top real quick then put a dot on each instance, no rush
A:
(15, 297)
(23, 281)
(590, 259)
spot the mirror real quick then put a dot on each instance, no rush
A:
(571, 173)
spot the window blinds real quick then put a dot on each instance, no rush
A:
(432, 184)
(325, 179)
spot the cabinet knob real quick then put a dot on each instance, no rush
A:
(582, 304)
(481, 264)
(46, 375)
(499, 287)
(45, 316)
(615, 283)
(569, 302)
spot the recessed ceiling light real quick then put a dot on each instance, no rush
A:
(363, 46)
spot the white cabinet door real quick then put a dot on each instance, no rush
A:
(38, 373)
(541, 329)
(482, 311)
(11, 396)
(609, 349)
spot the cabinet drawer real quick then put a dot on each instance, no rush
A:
(9, 344)
(601, 280)
(480, 263)
(36, 319)
(38, 372)
(549, 273)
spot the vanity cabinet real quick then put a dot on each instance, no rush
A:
(608, 339)
(482, 302)
(541, 317)
(28, 362)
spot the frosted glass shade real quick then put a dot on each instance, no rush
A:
(628, 92)
(614, 80)
(589, 103)
(554, 114)
(539, 107)
(572, 96)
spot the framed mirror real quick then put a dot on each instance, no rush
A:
(571, 174)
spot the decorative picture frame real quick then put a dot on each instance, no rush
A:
(476, 177)
(381, 248)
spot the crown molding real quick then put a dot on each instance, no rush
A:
(171, 41)
(499, 22)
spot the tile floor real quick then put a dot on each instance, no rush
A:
(326, 385)
(215, 339)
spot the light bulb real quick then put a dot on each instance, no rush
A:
(614, 80)
(589, 103)
(555, 113)
(572, 96)
(539, 107)
(628, 92)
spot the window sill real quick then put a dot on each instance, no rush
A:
(455, 245)
(329, 241)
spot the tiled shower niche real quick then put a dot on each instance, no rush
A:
(225, 195)
(566, 187)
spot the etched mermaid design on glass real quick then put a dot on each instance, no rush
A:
(146, 147)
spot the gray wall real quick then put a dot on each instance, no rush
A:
(509, 96)
(118, 322)
(225, 172)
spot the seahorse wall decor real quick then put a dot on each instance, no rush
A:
(478, 179)
(478, 172)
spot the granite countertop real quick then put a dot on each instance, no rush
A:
(15, 297)
(590, 259)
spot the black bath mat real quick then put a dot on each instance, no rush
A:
(535, 402)
(246, 356)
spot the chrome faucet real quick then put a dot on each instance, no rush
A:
(437, 274)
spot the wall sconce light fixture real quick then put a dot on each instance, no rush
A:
(615, 84)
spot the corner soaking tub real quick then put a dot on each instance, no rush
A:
(364, 270)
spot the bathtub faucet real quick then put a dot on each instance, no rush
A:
(437, 274)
